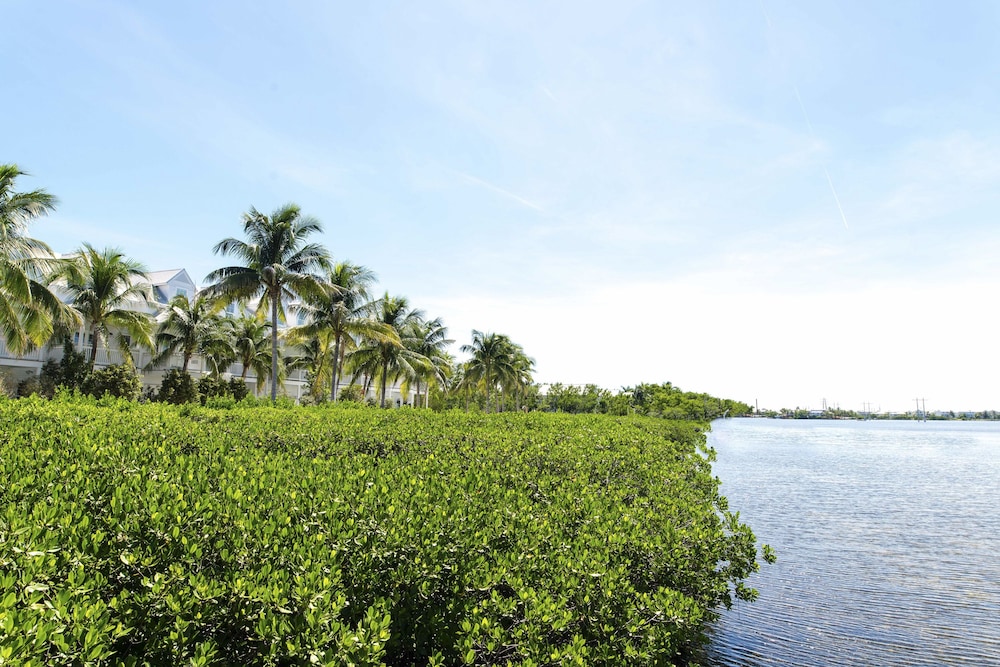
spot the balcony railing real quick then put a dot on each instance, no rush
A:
(105, 356)
(34, 355)
(141, 357)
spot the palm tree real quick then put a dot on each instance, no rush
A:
(390, 356)
(28, 309)
(430, 341)
(492, 362)
(461, 381)
(217, 348)
(250, 339)
(277, 266)
(353, 282)
(520, 377)
(341, 311)
(313, 354)
(186, 326)
(105, 288)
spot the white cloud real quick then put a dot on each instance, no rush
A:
(935, 177)
(885, 344)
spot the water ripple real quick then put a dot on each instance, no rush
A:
(887, 536)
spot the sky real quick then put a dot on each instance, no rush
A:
(779, 202)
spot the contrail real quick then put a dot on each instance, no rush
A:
(812, 134)
(548, 93)
(836, 198)
(501, 191)
(764, 12)
(805, 115)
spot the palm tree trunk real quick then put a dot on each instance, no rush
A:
(335, 373)
(385, 373)
(95, 337)
(274, 347)
(489, 389)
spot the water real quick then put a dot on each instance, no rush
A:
(888, 542)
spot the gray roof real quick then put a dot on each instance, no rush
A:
(164, 277)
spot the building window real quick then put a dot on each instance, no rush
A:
(181, 291)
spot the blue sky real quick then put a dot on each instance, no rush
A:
(770, 201)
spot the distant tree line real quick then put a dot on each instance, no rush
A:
(654, 400)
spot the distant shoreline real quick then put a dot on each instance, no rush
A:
(949, 415)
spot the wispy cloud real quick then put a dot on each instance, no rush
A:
(932, 179)
(193, 106)
(500, 191)
(59, 229)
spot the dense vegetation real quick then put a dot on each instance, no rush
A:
(662, 400)
(157, 534)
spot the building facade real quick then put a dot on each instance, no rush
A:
(164, 286)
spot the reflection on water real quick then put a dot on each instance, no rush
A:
(888, 542)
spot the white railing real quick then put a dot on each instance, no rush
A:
(34, 355)
(105, 356)
(109, 356)
(236, 370)
(294, 382)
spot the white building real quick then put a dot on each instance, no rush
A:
(165, 285)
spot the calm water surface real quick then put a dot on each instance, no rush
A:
(888, 542)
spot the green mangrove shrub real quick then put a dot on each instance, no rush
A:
(177, 387)
(70, 371)
(116, 381)
(152, 534)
